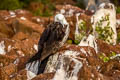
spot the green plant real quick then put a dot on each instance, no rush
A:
(118, 10)
(112, 54)
(107, 58)
(47, 9)
(69, 41)
(104, 32)
(80, 4)
(76, 42)
(46, 13)
(81, 31)
(104, 57)
(118, 37)
(10, 4)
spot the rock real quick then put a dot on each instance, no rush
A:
(74, 62)
(104, 26)
(2, 35)
(5, 30)
(8, 71)
(22, 75)
(42, 21)
(89, 41)
(70, 13)
(83, 26)
(20, 36)
(26, 26)
(107, 49)
(45, 76)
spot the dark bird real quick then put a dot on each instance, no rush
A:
(53, 37)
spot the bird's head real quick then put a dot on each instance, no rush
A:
(60, 18)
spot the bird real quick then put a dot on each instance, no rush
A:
(51, 40)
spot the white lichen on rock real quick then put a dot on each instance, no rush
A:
(20, 53)
(62, 72)
(30, 75)
(61, 66)
(9, 48)
(62, 11)
(38, 20)
(12, 14)
(89, 41)
(80, 30)
(35, 47)
(22, 18)
(104, 23)
(117, 55)
(51, 66)
(83, 51)
(2, 48)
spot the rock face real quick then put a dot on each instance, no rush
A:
(104, 25)
(76, 63)
(19, 35)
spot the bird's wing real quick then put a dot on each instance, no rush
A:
(42, 40)
(54, 40)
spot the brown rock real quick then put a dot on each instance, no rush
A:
(82, 60)
(107, 49)
(7, 71)
(5, 30)
(45, 76)
(22, 75)
(20, 36)
(26, 26)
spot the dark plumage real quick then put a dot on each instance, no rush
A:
(49, 43)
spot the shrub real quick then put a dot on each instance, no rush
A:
(118, 10)
(10, 4)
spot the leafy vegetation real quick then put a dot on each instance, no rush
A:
(82, 31)
(104, 32)
(80, 4)
(118, 10)
(10, 4)
(118, 37)
(69, 41)
(19, 4)
(106, 58)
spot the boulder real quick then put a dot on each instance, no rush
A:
(5, 30)
(26, 26)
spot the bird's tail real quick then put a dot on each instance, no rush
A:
(33, 66)
(37, 66)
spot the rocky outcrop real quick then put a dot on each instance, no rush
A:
(19, 35)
